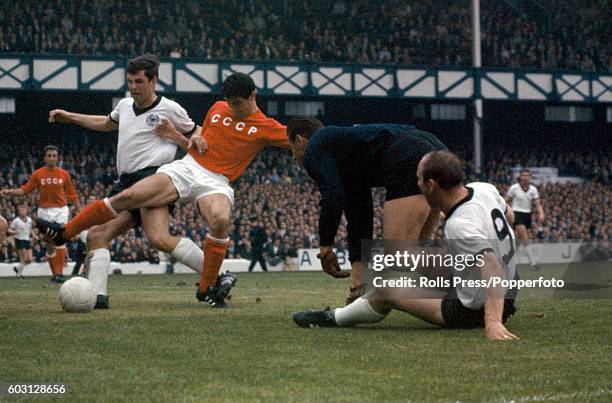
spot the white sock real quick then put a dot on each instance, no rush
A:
(188, 253)
(360, 311)
(530, 256)
(98, 264)
(20, 267)
(49, 257)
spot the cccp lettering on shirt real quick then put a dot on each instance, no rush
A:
(227, 121)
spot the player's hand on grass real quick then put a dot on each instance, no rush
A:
(329, 262)
(58, 116)
(199, 143)
(497, 331)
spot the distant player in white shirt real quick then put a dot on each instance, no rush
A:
(476, 224)
(522, 196)
(150, 129)
(21, 229)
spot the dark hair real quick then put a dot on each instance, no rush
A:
(238, 85)
(147, 62)
(443, 167)
(304, 126)
(526, 170)
(50, 148)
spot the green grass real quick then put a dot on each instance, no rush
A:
(158, 344)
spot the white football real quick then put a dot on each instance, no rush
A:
(77, 295)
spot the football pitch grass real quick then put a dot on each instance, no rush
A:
(156, 343)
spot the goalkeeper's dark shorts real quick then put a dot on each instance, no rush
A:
(401, 160)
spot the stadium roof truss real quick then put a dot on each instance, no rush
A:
(53, 73)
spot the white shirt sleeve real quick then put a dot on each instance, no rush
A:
(13, 224)
(114, 115)
(534, 193)
(512, 191)
(181, 120)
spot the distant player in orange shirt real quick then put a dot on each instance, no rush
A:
(235, 131)
(54, 190)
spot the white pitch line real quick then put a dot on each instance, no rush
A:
(574, 395)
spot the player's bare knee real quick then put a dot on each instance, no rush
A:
(219, 223)
(382, 297)
(124, 200)
(161, 242)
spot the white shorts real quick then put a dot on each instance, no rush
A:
(54, 214)
(193, 181)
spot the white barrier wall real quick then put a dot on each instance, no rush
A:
(42, 269)
(545, 253)
(541, 175)
(308, 261)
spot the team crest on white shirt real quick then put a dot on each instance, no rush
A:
(152, 119)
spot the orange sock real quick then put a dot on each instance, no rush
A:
(214, 253)
(60, 260)
(94, 214)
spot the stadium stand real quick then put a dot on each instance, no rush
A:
(431, 32)
(278, 191)
(516, 34)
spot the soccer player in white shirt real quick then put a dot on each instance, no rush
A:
(150, 129)
(476, 224)
(21, 229)
(522, 196)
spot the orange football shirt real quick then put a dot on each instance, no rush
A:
(54, 186)
(233, 144)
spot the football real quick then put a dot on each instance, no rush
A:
(77, 295)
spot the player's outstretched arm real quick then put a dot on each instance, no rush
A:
(540, 210)
(166, 130)
(99, 123)
(494, 302)
(197, 141)
(12, 192)
(509, 215)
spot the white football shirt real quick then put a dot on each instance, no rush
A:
(477, 224)
(139, 146)
(521, 200)
(23, 228)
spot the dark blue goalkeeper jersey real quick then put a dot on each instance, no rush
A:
(346, 162)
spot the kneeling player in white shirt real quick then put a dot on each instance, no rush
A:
(522, 196)
(475, 225)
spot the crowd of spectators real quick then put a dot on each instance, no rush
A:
(563, 35)
(279, 195)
